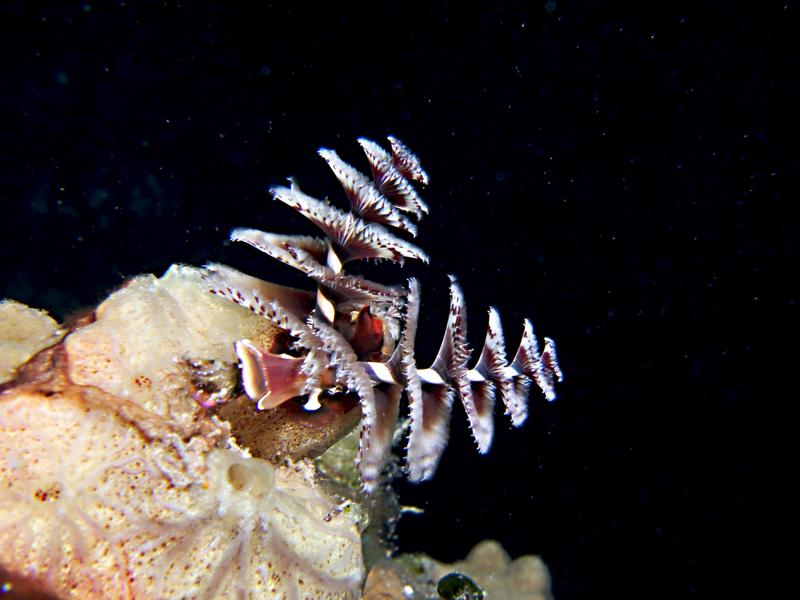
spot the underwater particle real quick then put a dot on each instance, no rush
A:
(456, 586)
(550, 6)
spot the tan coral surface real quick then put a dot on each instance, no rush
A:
(23, 332)
(415, 577)
(114, 483)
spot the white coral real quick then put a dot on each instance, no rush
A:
(115, 489)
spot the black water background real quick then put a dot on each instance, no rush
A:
(621, 176)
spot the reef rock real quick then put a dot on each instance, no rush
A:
(416, 577)
(117, 479)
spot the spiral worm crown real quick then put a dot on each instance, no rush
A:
(356, 335)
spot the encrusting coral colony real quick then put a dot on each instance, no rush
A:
(359, 336)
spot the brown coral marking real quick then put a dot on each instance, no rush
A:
(359, 336)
